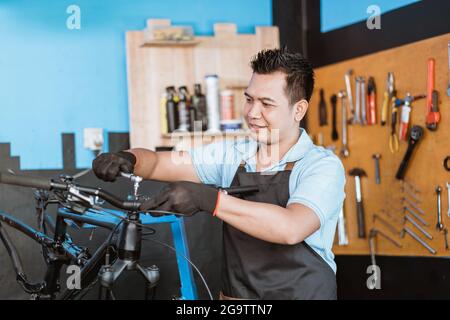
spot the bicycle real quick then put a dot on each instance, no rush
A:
(121, 250)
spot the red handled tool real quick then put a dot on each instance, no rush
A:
(371, 102)
(433, 115)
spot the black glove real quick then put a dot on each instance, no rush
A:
(184, 198)
(107, 166)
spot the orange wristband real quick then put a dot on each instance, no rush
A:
(217, 204)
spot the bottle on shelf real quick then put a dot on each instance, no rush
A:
(183, 114)
(212, 102)
(171, 110)
(198, 103)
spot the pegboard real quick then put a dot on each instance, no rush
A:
(425, 171)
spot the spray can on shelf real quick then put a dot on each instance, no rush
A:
(183, 115)
(226, 105)
(171, 110)
(212, 102)
(198, 103)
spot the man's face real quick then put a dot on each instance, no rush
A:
(267, 111)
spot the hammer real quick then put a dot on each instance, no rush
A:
(358, 173)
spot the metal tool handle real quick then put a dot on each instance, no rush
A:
(361, 219)
(334, 132)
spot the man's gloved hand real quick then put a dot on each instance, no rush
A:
(107, 166)
(184, 198)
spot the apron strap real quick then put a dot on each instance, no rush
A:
(289, 166)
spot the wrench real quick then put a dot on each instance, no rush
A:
(439, 225)
(136, 182)
(344, 150)
(357, 117)
(448, 199)
(348, 85)
(418, 239)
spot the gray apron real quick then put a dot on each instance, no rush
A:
(257, 269)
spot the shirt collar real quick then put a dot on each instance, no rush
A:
(249, 146)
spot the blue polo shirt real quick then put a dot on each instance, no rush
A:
(317, 180)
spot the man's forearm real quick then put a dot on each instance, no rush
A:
(146, 161)
(268, 222)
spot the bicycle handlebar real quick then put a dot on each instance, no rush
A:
(49, 184)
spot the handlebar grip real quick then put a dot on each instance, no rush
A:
(26, 181)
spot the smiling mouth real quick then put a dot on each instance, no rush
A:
(256, 127)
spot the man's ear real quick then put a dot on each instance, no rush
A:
(300, 109)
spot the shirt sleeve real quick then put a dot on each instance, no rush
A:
(320, 187)
(208, 162)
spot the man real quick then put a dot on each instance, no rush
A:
(277, 241)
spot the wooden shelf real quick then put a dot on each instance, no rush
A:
(170, 43)
(236, 133)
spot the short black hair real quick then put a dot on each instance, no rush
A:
(298, 70)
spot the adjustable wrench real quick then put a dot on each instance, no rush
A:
(344, 150)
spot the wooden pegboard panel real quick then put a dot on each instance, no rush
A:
(409, 64)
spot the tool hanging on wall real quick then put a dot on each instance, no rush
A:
(415, 224)
(322, 110)
(360, 103)
(376, 157)
(439, 224)
(447, 163)
(415, 215)
(342, 230)
(388, 95)
(418, 239)
(415, 136)
(344, 149)
(391, 228)
(372, 102)
(393, 137)
(448, 85)
(372, 246)
(358, 173)
(348, 86)
(433, 116)
(446, 238)
(448, 199)
(405, 107)
(334, 132)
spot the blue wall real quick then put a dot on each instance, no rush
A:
(55, 80)
(340, 13)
